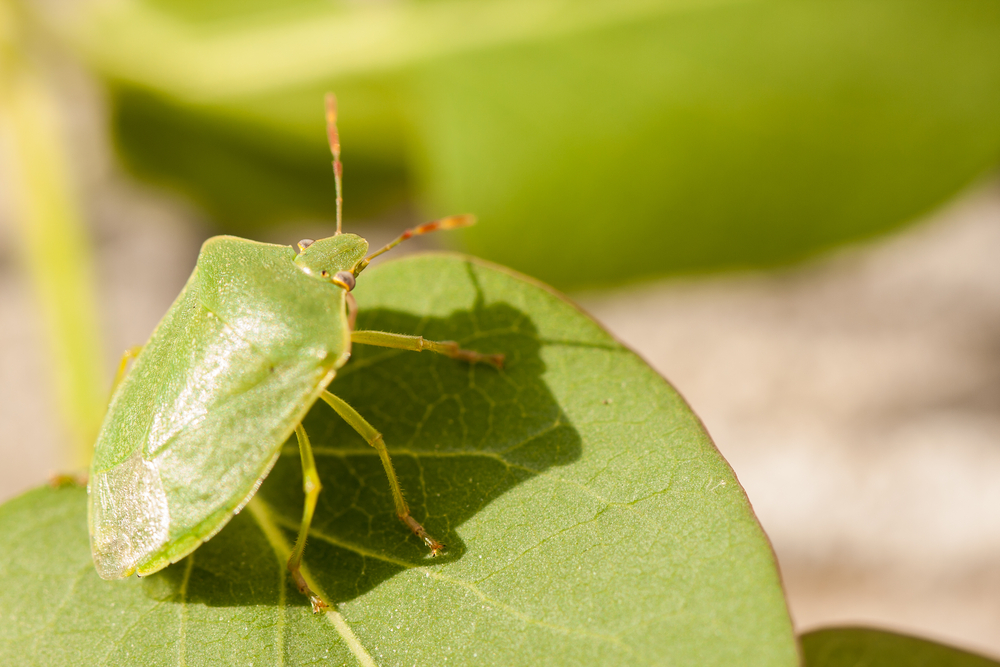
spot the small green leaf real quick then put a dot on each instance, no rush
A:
(866, 647)
(589, 518)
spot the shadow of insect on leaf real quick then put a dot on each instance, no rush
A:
(460, 436)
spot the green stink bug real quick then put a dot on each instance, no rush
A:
(252, 341)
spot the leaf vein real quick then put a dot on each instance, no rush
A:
(182, 612)
(62, 604)
(264, 515)
(469, 586)
(128, 628)
(345, 452)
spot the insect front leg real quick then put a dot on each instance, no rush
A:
(311, 486)
(448, 348)
(352, 311)
(374, 438)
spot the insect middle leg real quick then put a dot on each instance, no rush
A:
(374, 438)
(311, 486)
(449, 348)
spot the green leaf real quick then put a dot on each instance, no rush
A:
(589, 518)
(719, 135)
(866, 647)
(688, 134)
(247, 172)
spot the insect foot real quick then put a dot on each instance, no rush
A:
(495, 360)
(418, 530)
(451, 349)
(318, 605)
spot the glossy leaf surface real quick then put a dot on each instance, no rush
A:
(867, 647)
(588, 516)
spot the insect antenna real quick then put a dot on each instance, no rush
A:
(451, 222)
(334, 138)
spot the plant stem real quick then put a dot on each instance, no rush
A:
(49, 227)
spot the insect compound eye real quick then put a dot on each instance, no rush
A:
(305, 243)
(345, 279)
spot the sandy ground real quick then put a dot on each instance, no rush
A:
(856, 396)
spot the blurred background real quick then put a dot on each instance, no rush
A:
(790, 208)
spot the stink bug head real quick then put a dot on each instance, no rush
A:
(338, 259)
(328, 259)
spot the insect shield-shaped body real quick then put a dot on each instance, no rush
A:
(252, 341)
(234, 366)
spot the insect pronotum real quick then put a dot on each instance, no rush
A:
(252, 341)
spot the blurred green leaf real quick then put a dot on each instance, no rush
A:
(247, 173)
(866, 647)
(687, 134)
(723, 136)
(589, 518)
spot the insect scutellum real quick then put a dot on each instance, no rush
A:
(341, 257)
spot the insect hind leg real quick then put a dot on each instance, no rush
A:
(311, 486)
(374, 438)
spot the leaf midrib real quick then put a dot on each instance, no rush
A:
(264, 515)
(460, 583)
